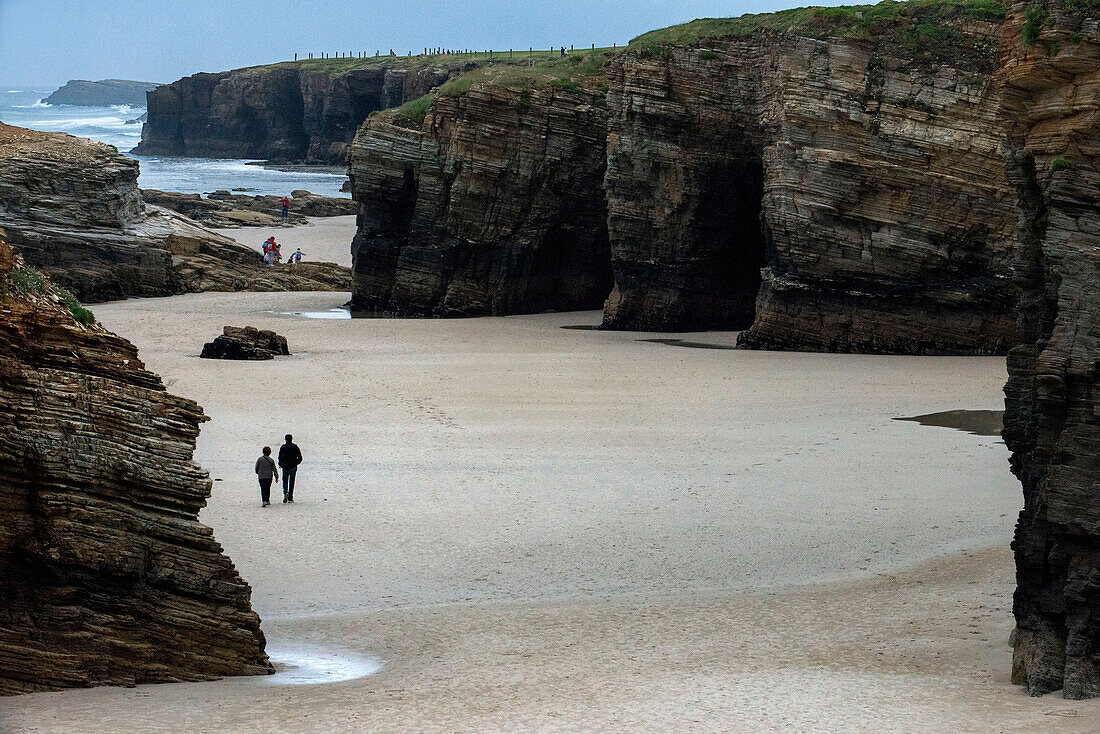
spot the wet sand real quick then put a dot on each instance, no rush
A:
(535, 528)
(324, 239)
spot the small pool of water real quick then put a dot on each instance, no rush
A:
(308, 666)
(336, 313)
(977, 422)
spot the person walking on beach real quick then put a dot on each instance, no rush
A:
(269, 251)
(285, 203)
(296, 257)
(290, 456)
(265, 470)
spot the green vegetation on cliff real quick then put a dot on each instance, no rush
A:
(924, 30)
(572, 74)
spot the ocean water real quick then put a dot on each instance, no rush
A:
(22, 106)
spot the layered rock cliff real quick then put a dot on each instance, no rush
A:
(1051, 78)
(489, 204)
(306, 111)
(106, 575)
(825, 179)
(103, 93)
(72, 208)
(854, 157)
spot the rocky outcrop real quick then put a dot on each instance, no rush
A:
(106, 575)
(103, 93)
(245, 342)
(824, 191)
(491, 205)
(225, 209)
(305, 111)
(1051, 78)
(72, 208)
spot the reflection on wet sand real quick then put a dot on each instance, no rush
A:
(977, 422)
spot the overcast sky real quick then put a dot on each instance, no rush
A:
(47, 42)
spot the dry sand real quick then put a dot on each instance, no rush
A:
(324, 239)
(544, 529)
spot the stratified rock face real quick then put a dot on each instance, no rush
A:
(106, 575)
(103, 93)
(868, 185)
(72, 208)
(285, 112)
(492, 206)
(1052, 416)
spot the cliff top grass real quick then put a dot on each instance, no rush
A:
(924, 30)
(580, 70)
(446, 61)
(888, 20)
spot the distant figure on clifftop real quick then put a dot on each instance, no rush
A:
(290, 456)
(265, 470)
(285, 204)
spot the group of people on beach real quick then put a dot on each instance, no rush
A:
(273, 253)
(290, 456)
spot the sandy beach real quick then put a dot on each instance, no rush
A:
(323, 239)
(530, 527)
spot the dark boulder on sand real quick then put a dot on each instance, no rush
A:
(247, 343)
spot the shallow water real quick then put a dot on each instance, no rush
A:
(977, 422)
(338, 313)
(297, 666)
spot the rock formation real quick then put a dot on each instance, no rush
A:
(862, 172)
(103, 93)
(225, 209)
(1051, 78)
(489, 205)
(305, 111)
(826, 179)
(106, 575)
(245, 342)
(72, 208)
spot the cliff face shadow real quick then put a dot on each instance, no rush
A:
(976, 422)
(689, 345)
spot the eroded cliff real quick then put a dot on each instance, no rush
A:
(1051, 78)
(306, 111)
(485, 200)
(106, 575)
(72, 208)
(828, 180)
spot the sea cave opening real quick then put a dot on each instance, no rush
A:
(731, 244)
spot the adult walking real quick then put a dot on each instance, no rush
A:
(290, 456)
(265, 470)
(285, 205)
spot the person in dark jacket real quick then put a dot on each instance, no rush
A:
(265, 470)
(289, 458)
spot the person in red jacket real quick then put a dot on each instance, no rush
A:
(285, 204)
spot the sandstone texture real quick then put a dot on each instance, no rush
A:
(106, 575)
(305, 111)
(72, 208)
(223, 209)
(103, 93)
(824, 192)
(492, 204)
(245, 342)
(1052, 416)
